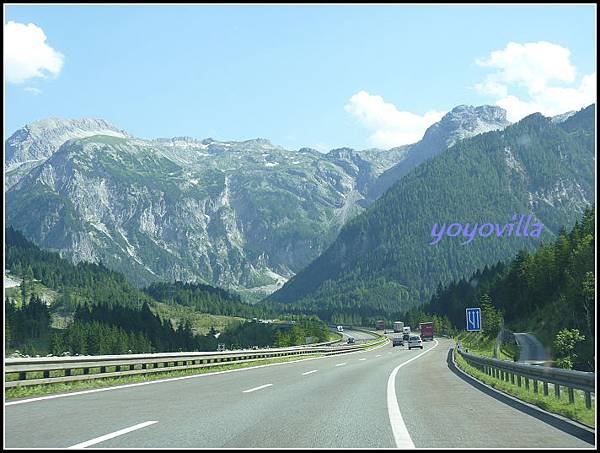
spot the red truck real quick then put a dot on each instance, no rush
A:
(426, 331)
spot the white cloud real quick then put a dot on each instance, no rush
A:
(543, 74)
(27, 55)
(33, 90)
(390, 126)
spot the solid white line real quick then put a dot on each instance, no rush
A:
(112, 435)
(401, 435)
(257, 388)
(309, 372)
(341, 364)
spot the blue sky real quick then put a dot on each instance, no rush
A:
(318, 76)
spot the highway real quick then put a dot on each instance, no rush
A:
(387, 397)
(530, 348)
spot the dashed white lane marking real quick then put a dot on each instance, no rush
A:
(309, 372)
(257, 388)
(112, 435)
(158, 381)
(362, 359)
(341, 364)
(401, 435)
(378, 355)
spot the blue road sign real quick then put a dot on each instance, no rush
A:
(473, 319)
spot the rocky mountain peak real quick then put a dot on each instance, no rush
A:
(466, 121)
(40, 139)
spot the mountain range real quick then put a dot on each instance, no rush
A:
(242, 215)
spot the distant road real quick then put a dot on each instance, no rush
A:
(357, 335)
(530, 348)
(387, 397)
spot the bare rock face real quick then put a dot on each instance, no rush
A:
(245, 215)
(461, 122)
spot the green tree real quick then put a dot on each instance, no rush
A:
(564, 347)
(491, 318)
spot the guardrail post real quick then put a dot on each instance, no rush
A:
(545, 386)
(68, 372)
(588, 400)
(46, 374)
(519, 380)
(22, 376)
(512, 378)
(557, 390)
(571, 395)
(535, 386)
(526, 382)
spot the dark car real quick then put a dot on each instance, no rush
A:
(350, 340)
(405, 337)
(398, 341)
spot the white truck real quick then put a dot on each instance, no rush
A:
(398, 326)
(340, 328)
(406, 329)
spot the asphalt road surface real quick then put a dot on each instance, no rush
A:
(358, 335)
(530, 348)
(383, 398)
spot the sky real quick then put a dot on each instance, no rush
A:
(299, 75)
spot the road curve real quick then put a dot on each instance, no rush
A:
(530, 348)
(340, 401)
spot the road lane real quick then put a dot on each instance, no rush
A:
(446, 411)
(204, 405)
(334, 407)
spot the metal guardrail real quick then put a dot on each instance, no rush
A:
(558, 377)
(95, 367)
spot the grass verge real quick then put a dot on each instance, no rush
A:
(550, 403)
(67, 387)
(477, 343)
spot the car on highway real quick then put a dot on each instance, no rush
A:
(405, 336)
(397, 341)
(415, 341)
(350, 340)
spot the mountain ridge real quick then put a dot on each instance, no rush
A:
(534, 165)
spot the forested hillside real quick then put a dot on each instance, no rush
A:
(382, 261)
(107, 315)
(545, 291)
